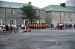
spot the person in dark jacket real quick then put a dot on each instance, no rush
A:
(74, 25)
(6, 28)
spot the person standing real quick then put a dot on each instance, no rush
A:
(6, 28)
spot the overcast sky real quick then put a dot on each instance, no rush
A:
(39, 3)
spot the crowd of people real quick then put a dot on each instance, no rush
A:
(24, 28)
(15, 28)
(63, 26)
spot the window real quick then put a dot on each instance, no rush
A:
(12, 12)
(11, 21)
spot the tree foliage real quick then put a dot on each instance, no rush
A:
(29, 13)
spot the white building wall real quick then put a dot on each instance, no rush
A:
(55, 18)
(49, 18)
(73, 18)
(42, 15)
(67, 15)
(62, 17)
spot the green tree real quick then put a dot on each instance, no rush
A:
(29, 13)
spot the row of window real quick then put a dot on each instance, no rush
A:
(11, 21)
(5, 10)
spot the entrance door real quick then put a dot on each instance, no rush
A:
(12, 21)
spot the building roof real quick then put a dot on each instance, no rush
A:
(6, 4)
(11, 4)
(59, 8)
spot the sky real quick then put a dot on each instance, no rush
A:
(39, 3)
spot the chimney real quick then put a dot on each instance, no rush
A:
(63, 4)
(29, 3)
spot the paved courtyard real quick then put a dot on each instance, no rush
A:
(39, 39)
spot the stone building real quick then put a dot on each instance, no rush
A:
(10, 13)
(60, 14)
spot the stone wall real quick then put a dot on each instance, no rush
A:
(6, 14)
(60, 17)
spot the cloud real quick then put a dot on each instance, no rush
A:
(39, 3)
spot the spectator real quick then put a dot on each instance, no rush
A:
(74, 25)
(57, 27)
(22, 26)
(70, 26)
(52, 26)
(61, 26)
(6, 28)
